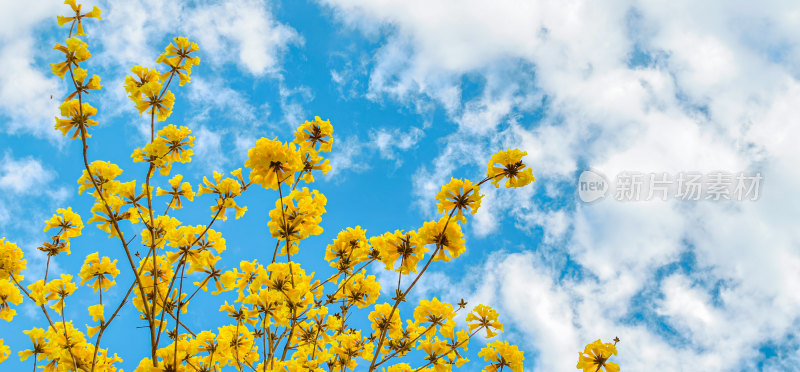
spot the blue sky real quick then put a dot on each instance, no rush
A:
(418, 92)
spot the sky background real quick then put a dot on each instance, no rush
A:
(419, 91)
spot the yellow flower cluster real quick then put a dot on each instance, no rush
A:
(273, 163)
(511, 168)
(296, 217)
(595, 357)
(171, 145)
(278, 316)
(147, 87)
(502, 355)
(69, 225)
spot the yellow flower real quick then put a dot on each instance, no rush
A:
(595, 356)
(298, 217)
(226, 189)
(450, 238)
(511, 167)
(243, 315)
(153, 100)
(503, 356)
(162, 225)
(75, 115)
(405, 246)
(313, 161)
(360, 290)
(435, 349)
(273, 163)
(5, 351)
(178, 189)
(104, 173)
(36, 290)
(177, 58)
(485, 317)
(104, 271)
(179, 142)
(400, 367)
(106, 221)
(348, 249)
(79, 76)
(311, 133)
(141, 76)
(75, 51)
(9, 294)
(11, 262)
(380, 320)
(68, 222)
(59, 289)
(461, 195)
(95, 13)
(96, 312)
(37, 339)
(434, 312)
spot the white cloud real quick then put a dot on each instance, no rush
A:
(208, 149)
(207, 95)
(243, 29)
(386, 141)
(243, 32)
(712, 90)
(346, 156)
(23, 176)
(25, 89)
(349, 154)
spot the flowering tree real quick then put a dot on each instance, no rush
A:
(282, 318)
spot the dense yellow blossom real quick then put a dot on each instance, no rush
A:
(360, 290)
(103, 173)
(171, 145)
(511, 168)
(433, 312)
(141, 76)
(279, 317)
(380, 320)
